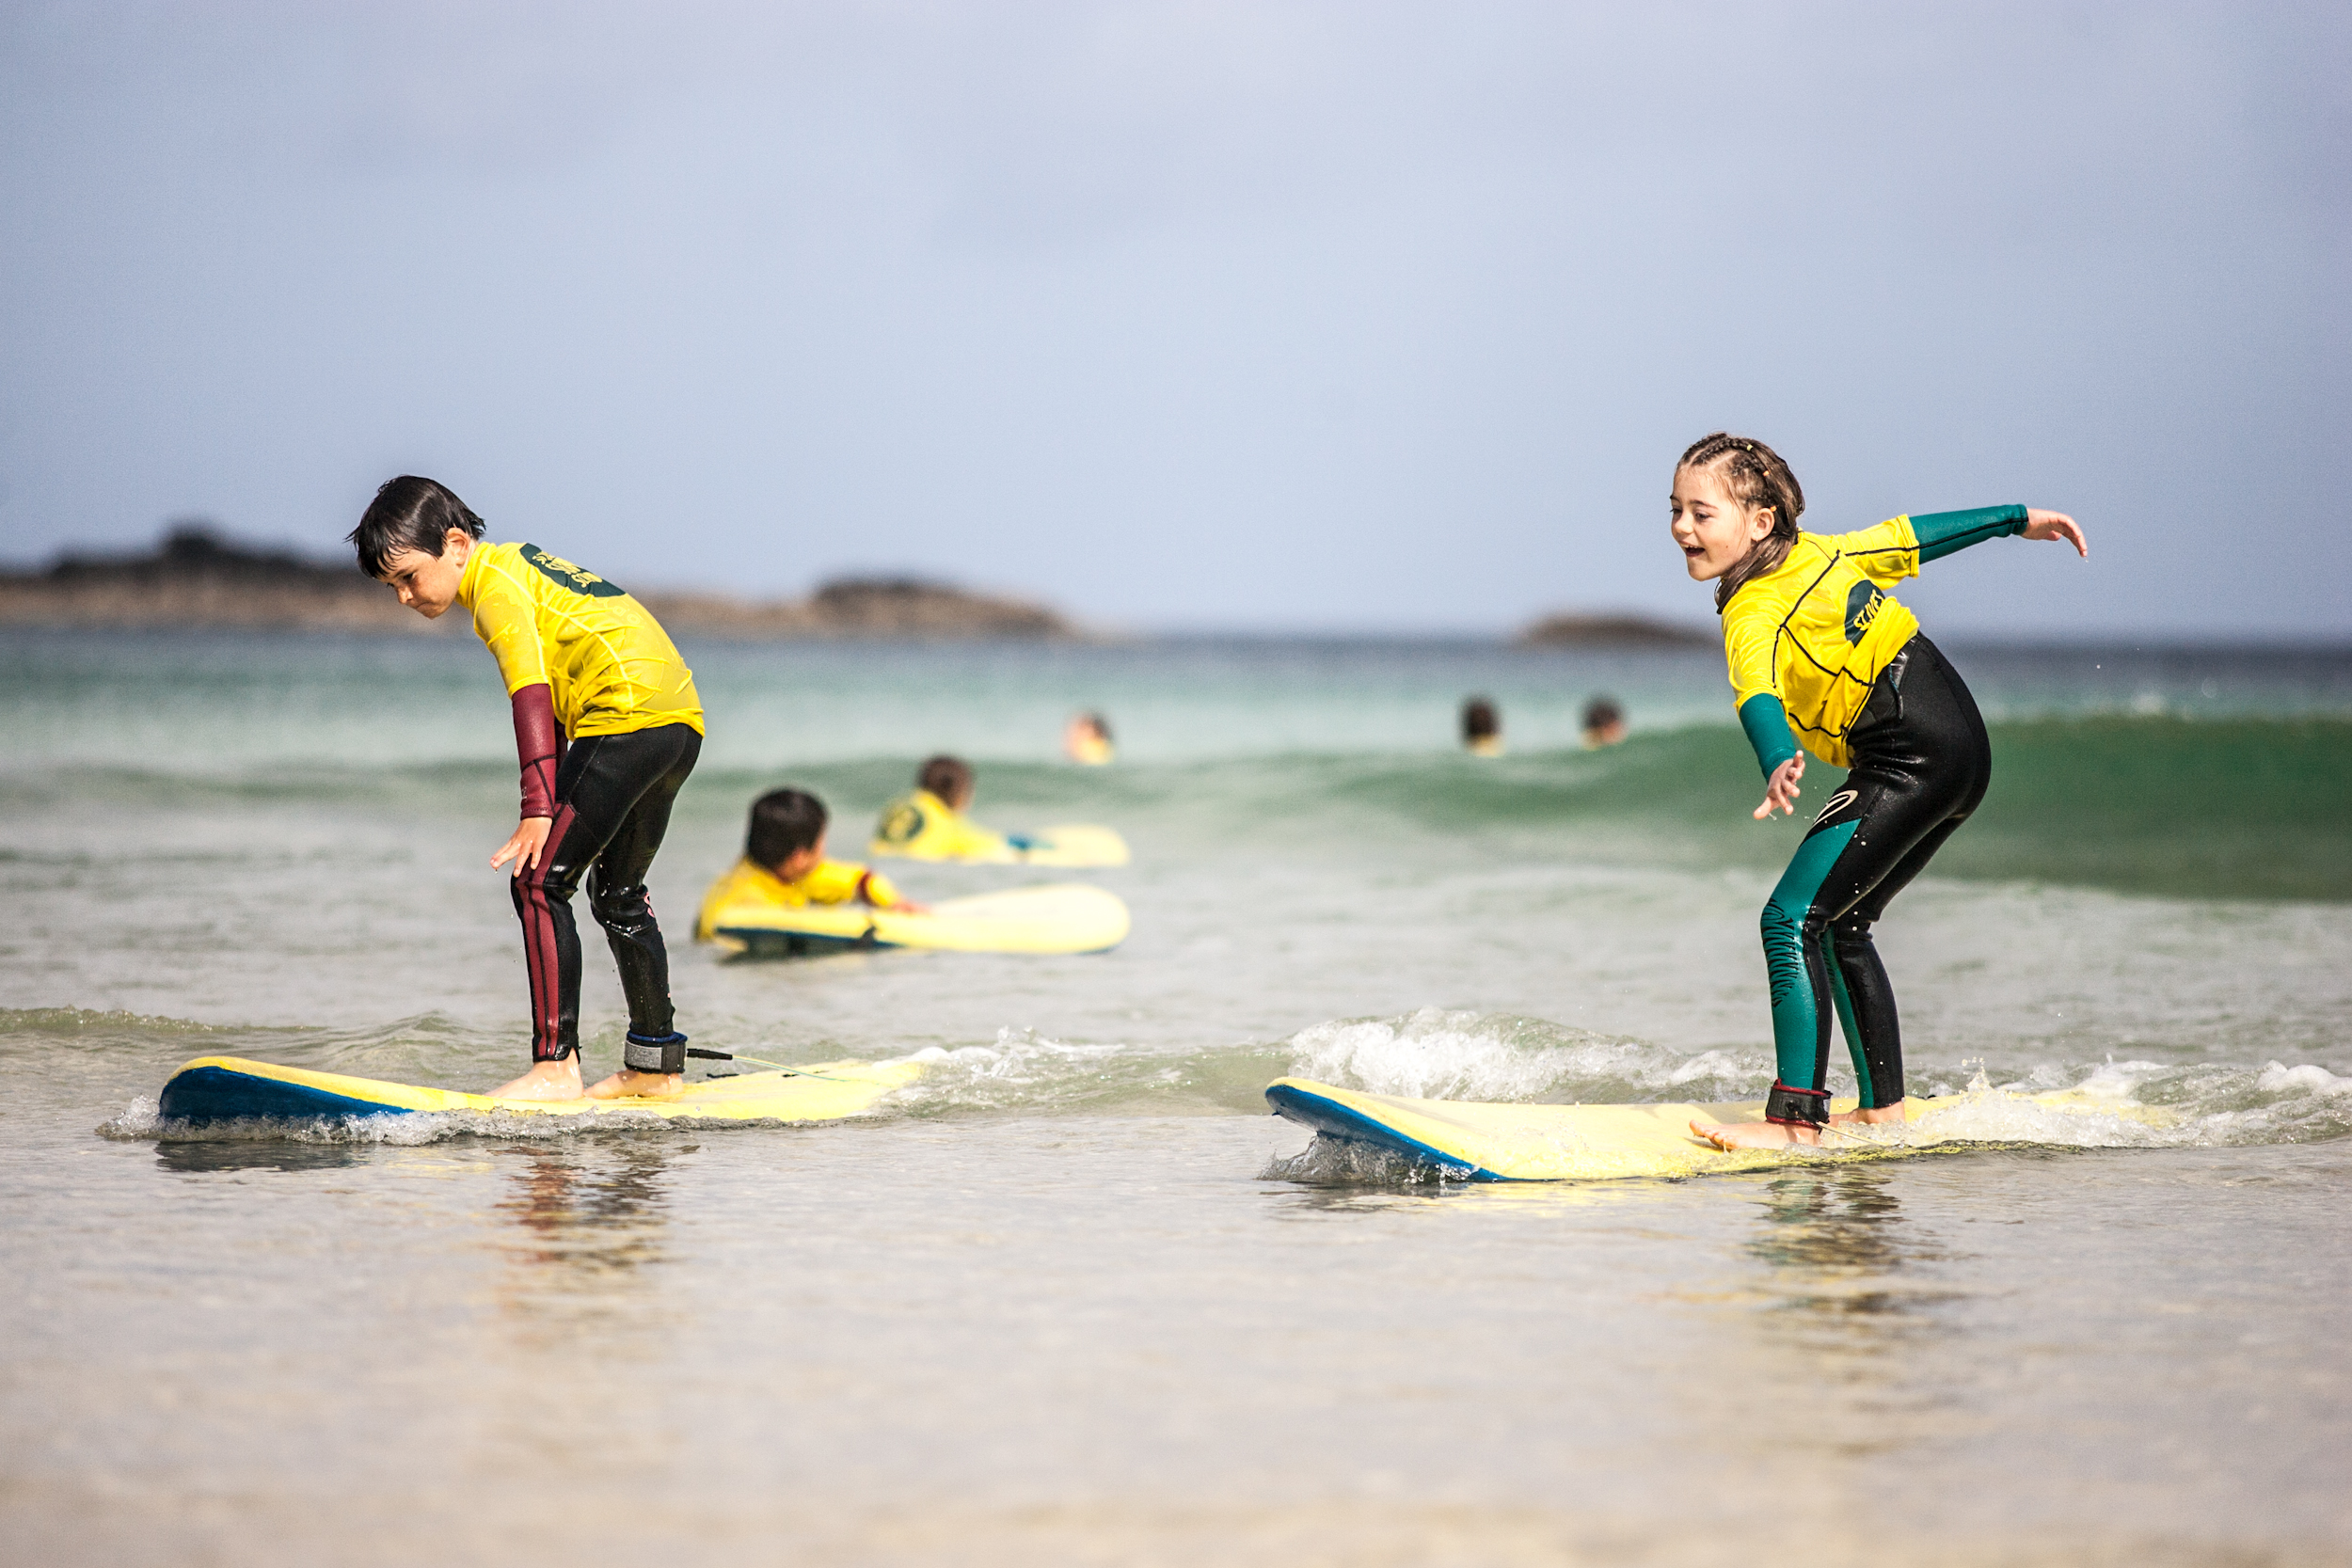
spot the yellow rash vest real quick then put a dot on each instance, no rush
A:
(753, 886)
(609, 667)
(927, 828)
(1806, 641)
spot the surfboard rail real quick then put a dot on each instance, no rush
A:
(213, 1089)
(1479, 1141)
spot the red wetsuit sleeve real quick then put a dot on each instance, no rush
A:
(537, 748)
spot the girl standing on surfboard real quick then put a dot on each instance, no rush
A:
(1821, 657)
(607, 727)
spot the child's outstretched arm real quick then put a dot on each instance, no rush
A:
(1943, 533)
(539, 754)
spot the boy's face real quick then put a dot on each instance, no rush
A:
(428, 583)
(800, 862)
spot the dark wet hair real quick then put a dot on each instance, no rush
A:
(410, 513)
(784, 822)
(1480, 721)
(1601, 712)
(1756, 477)
(949, 778)
(1096, 722)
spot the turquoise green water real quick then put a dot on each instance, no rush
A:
(1073, 1297)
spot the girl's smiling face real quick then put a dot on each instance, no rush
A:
(1714, 530)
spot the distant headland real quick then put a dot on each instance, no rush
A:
(1611, 631)
(198, 579)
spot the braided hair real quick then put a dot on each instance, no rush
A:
(1756, 477)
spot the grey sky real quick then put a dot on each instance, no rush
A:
(1189, 315)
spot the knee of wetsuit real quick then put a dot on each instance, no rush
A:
(1781, 925)
(655, 1052)
(1852, 930)
(624, 907)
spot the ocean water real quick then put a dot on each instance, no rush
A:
(1073, 1297)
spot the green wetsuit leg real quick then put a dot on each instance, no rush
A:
(1795, 964)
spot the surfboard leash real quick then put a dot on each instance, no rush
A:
(733, 1056)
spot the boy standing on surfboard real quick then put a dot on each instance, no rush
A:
(607, 728)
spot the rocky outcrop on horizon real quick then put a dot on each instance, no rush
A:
(195, 580)
(1611, 631)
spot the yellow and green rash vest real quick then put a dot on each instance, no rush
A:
(609, 668)
(928, 829)
(753, 886)
(1806, 639)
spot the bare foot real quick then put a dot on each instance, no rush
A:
(1871, 1117)
(545, 1081)
(628, 1083)
(1754, 1135)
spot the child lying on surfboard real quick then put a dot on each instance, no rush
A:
(929, 824)
(1821, 657)
(607, 727)
(784, 866)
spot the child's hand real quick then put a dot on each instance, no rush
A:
(908, 905)
(531, 838)
(1781, 789)
(2057, 525)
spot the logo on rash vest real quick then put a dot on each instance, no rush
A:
(578, 578)
(1861, 608)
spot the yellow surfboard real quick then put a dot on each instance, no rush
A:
(1060, 917)
(1594, 1142)
(1070, 846)
(229, 1088)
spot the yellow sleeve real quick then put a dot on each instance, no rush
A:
(507, 621)
(1749, 639)
(880, 893)
(832, 882)
(1886, 554)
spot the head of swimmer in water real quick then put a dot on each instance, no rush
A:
(950, 779)
(787, 833)
(416, 537)
(1734, 510)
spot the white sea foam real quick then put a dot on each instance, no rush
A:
(1436, 1055)
(2308, 1079)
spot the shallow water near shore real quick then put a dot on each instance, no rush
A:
(1073, 1296)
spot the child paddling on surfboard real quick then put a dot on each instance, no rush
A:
(930, 824)
(1821, 657)
(784, 866)
(607, 728)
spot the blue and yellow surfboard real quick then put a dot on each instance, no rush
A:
(214, 1089)
(1481, 1142)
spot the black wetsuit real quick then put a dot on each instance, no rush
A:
(612, 799)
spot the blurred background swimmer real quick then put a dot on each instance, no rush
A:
(1604, 722)
(929, 823)
(1482, 728)
(784, 866)
(1086, 738)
